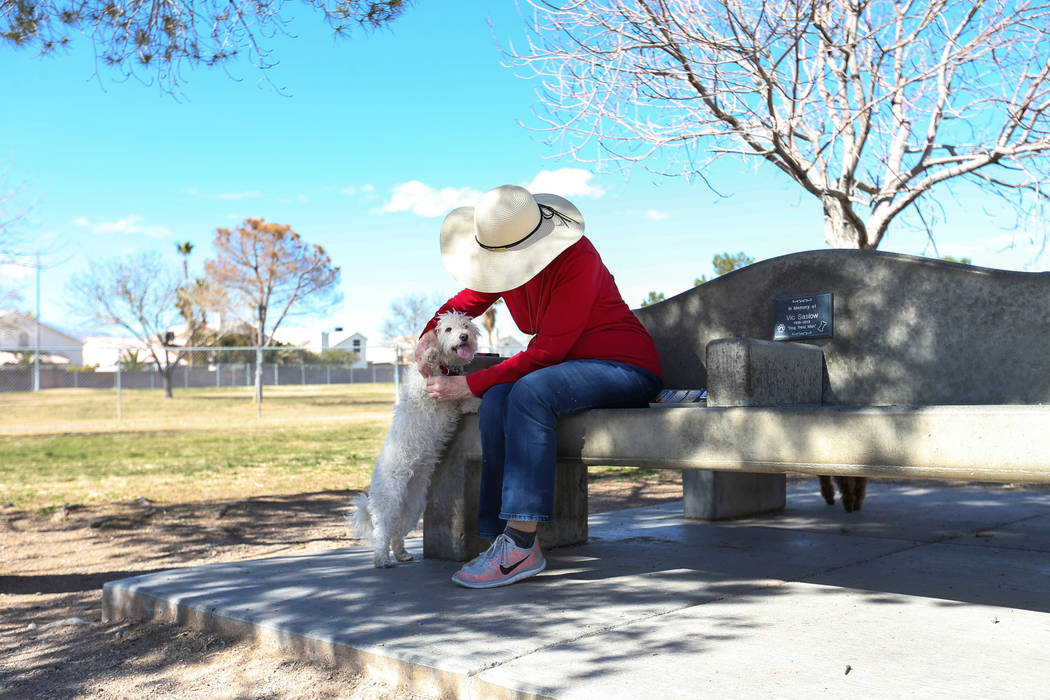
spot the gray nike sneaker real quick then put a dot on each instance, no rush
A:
(503, 563)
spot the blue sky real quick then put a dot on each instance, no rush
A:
(373, 140)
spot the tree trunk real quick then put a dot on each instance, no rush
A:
(166, 372)
(841, 228)
(841, 231)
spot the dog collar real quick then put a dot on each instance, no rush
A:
(450, 371)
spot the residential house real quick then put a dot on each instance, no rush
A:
(333, 339)
(18, 334)
(105, 351)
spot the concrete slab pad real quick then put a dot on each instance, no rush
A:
(414, 613)
(963, 573)
(916, 512)
(799, 641)
(695, 594)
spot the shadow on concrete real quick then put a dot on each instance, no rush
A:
(956, 545)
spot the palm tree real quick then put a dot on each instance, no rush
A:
(184, 250)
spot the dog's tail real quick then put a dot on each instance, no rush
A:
(361, 519)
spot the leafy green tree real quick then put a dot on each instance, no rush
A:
(963, 261)
(726, 262)
(338, 356)
(184, 249)
(131, 362)
(195, 298)
(721, 262)
(654, 298)
(155, 39)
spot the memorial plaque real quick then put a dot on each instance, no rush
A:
(809, 316)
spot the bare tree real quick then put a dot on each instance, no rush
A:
(155, 38)
(10, 215)
(872, 106)
(138, 294)
(268, 271)
(407, 317)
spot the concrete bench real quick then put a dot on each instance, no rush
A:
(936, 370)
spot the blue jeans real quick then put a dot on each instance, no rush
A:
(518, 424)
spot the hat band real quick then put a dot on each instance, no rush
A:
(546, 212)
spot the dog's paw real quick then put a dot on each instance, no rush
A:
(383, 562)
(430, 356)
(403, 556)
(827, 489)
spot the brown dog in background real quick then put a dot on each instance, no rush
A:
(852, 489)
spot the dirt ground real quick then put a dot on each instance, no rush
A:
(53, 643)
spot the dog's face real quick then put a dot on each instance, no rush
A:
(457, 339)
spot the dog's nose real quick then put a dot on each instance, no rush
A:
(464, 337)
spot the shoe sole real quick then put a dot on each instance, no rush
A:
(501, 581)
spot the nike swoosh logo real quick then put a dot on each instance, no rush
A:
(507, 569)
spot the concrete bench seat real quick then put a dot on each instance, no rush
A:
(936, 370)
(1009, 444)
(972, 443)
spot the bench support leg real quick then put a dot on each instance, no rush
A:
(750, 372)
(450, 518)
(709, 495)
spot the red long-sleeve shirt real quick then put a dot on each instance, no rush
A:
(575, 312)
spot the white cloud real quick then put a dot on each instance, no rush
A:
(356, 189)
(130, 225)
(567, 182)
(655, 215)
(423, 200)
(302, 198)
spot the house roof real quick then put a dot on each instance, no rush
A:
(25, 322)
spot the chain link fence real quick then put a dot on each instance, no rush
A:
(28, 374)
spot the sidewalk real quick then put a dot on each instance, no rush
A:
(928, 592)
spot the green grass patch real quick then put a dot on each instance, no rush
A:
(64, 447)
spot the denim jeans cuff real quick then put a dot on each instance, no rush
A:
(526, 518)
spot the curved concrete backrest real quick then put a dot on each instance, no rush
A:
(908, 330)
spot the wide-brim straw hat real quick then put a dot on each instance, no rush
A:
(507, 237)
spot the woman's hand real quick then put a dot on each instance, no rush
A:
(427, 340)
(441, 388)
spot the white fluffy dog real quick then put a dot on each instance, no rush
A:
(415, 443)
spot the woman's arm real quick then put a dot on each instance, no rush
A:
(468, 301)
(574, 287)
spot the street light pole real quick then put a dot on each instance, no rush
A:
(36, 353)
